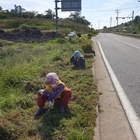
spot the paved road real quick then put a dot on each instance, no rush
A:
(123, 54)
(112, 123)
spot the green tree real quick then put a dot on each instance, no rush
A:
(76, 17)
(17, 11)
(0, 8)
(49, 14)
(137, 20)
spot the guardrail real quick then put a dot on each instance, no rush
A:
(129, 34)
(120, 33)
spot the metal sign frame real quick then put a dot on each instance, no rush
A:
(70, 5)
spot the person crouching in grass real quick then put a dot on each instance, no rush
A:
(55, 92)
(78, 60)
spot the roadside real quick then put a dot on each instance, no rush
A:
(112, 123)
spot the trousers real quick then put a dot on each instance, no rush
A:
(63, 101)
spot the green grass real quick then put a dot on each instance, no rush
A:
(65, 26)
(22, 74)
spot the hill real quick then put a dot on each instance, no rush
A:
(36, 29)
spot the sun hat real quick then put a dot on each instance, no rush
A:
(51, 78)
(77, 54)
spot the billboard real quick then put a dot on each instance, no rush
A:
(70, 5)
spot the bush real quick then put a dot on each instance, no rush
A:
(25, 26)
(134, 32)
(14, 24)
(60, 41)
(89, 36)
(79, 35)
(87, 48)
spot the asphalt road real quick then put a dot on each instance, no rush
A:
(123, 55)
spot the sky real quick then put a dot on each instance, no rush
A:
(99, 13)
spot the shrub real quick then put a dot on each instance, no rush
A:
(25, 26)
(2, 54)
(87, 48)
(134, 32)
(14, 24)
(79, 35)
(89, 36)
(60, 41)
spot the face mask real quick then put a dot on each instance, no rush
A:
(53, 85)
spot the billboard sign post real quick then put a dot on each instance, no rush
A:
(67, 5)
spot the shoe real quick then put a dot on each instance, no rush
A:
(40, 111)
(62, 109)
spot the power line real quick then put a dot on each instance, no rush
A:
(137, 11)
(112, 9)
(128, 3)
(131, 13)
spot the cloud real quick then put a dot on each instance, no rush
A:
(29, 5)
(111, 4)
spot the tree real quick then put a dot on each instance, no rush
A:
(0, 8)
(17, 11)
(28, 14)
(49, 14)
(105, 27)
(76, 17)
(137, 20)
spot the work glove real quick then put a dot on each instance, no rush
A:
(51, 104)
(41, 91)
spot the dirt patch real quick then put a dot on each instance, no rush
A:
(28, 35)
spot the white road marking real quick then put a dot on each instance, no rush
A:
(128, 108)
(127, 43)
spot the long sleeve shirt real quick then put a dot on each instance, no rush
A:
(55, 93)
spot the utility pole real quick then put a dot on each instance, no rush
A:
(110, 22)
(56, 15)
(132, 28)
(132, 22)
(117, 18)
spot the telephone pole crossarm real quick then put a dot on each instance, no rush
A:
(123, 17)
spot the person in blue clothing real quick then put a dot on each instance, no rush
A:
(77, 60)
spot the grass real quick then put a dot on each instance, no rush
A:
(65, 26)
(22, 74)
